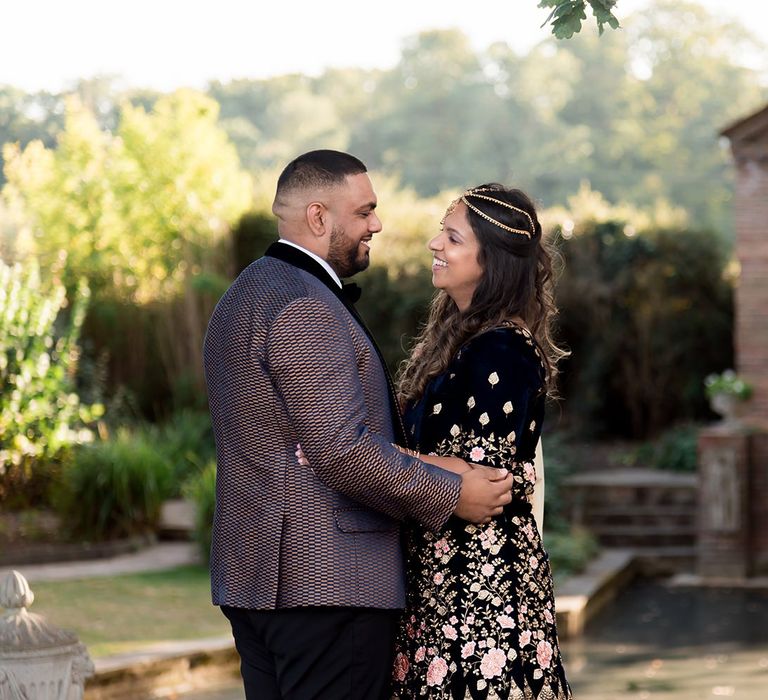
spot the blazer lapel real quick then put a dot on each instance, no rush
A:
(293, 256)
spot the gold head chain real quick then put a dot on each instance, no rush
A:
(476, 193)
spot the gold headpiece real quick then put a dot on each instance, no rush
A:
(475, 193)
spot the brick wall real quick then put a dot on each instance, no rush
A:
(751, 333)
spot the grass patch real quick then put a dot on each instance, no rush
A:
(118, 613)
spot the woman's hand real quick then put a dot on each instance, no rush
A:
(301, 458)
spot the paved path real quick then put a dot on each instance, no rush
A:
(166, 555)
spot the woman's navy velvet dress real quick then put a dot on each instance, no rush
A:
(480, 617)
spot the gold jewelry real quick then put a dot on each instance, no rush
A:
(475, 193)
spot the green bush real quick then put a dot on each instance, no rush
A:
(40, 412)
(674, 450)
(647, 316)
(187, 442)
(114, 488)
(569, 548)
(201, 490)
(569, 551)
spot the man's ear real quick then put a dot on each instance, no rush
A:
(317, 218)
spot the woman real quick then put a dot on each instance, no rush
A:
(480, 618)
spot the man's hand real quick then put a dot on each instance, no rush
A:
(484, 493)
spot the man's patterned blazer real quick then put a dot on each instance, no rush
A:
(288, 361)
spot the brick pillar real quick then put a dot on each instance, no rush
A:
(724, 533)
(758, 493)
(751, 332)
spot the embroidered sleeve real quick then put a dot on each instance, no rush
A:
(485, 410)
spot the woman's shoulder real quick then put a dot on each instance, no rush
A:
(501, 342)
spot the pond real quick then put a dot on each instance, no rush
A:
(657, 641)
(662, 642)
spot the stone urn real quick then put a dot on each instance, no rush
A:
(727, 406)
(37, 659)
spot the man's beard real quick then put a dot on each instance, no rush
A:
(343, 255)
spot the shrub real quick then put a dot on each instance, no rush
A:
(674, 450)
(114, 488)
(647, 315)
(569, 548)
(569, 551)
(40, 412)
(201, 490)
(188, 444)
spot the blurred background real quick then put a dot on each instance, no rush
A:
(140, 149)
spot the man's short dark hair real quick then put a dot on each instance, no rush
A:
(317, 169)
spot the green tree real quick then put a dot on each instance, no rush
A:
(143, 214)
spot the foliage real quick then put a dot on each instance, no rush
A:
(674, 450)
(143, 214)
(646, 315)
(569, 549)
(114, 488)
(636, 112)
(253, 234)
(728, 382)
(113, 614)
(140, 211)
(567, 15)
(187, 442)
(201, 490)
(40, 412)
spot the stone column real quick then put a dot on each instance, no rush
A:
(723, 513)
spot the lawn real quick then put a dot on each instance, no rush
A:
(118, 613)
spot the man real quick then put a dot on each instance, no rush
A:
(306, 561)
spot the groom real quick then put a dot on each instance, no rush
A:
(306, 562)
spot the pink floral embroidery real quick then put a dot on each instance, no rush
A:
(548, 616)
(506, 622)
(487, 569)
(401, 667)
(477, 454)
(467, 650)
(441, 547)
(544, 653)
(525, 638)
(438, 578)
(493, 663)
(437, 671)
(450, 632)
(534, 562)
(530, 472)
(421, 652)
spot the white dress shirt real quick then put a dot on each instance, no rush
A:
(316, 258)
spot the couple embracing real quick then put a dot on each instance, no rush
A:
(372, 539)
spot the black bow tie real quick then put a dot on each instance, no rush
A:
(351, 292)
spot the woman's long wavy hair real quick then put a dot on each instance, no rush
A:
(517, 283)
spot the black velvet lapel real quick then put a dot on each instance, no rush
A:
(293, 256)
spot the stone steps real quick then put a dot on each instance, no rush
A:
(636, 508)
